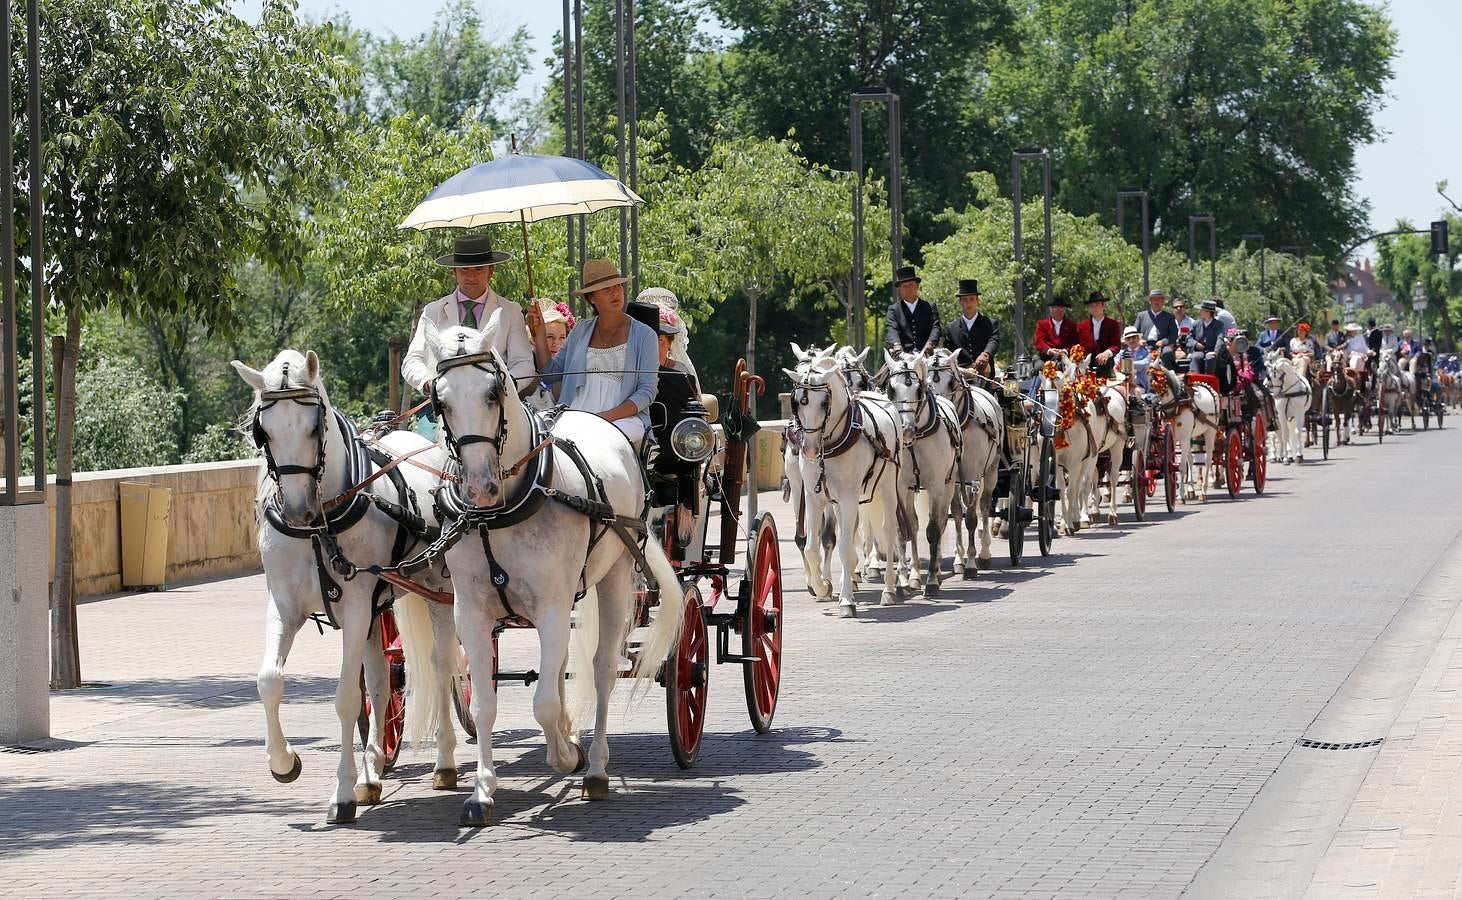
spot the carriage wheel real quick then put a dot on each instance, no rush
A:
(1014, 527)
(1325, 422)
(1170, 467)
(1233, 457)
(395, 724)
(1139, 483)
(761, 633)
(1259, 466)
(1440, 407)
(1046, 498)
(1380, 426)
(687, 675)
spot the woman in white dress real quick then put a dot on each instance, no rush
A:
(609, 365)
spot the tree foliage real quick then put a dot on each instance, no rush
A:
(124, 418)
(1403, 260)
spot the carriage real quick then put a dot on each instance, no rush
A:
(1321, 417)
(1243, 441)
(1150, 453)
(1027, 472)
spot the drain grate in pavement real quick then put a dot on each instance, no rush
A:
(1332, 745)
(28, 751)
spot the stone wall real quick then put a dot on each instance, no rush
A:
(210, 522)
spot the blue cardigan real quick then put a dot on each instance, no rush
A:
(641, 358)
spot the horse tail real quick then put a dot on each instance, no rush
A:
(664, 631)
(424, 685)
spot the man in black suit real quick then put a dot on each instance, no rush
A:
(1157, 326)
(911, 325)
(972, 335)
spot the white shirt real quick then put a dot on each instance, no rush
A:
(501, 318)
(911, 306)
(970, 323)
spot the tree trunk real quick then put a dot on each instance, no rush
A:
(65, 652)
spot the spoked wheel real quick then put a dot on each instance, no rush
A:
(462, 690)
(1259, 465)
(761, 632)
(1440, 407)
(1325, 423)
(395, 724)
(1233, 457)
(687, 675)
(1014, 520)
(1380, 426)
(1046, 498)
(1170, 467)
(1138, 483)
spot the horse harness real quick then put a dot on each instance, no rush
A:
(922, 401)
(852, 430)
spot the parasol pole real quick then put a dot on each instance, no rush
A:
(523, 224)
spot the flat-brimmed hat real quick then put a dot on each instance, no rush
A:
(1130, 331)
(1210, 305)
(471, 250)
(968, 287)
(598, 275)
(1157, 292)
(904, 274)
(1388, 327)
(1354, 326)
(1095, 297)
(1270, 318)
(1061, 301)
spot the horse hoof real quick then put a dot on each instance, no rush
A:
(888, 599)
(341, 814)
(292, 774)
(931, 591)
(444, 780)
(1113, 520)
(596, 787)
(969, 573)
(368, 794)
(847, 611)
(583, 762)
(475, 814)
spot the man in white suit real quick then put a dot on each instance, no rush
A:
(475, 305)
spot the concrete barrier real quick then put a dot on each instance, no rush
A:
(210, 532)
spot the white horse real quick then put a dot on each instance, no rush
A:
(1109, 428)
(312, 456)
(982, 431)
(849, 455)
(792, 487)
(1292, 397)
(929, 438)
(1390, 385)
(1077, 442)
(1195, 420)
(540, 517)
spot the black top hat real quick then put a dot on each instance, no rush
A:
(903, 274)
(1061, 301)
(969, 287)
(1095, 297)
(647, 314)
(472, 250)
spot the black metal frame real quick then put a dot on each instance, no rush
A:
(1193, 222)
(1016, 158)
(14, 492)
(1134, 194)
(857, 326)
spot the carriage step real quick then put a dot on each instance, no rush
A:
(1024, 513)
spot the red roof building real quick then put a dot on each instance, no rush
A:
(1358, 290)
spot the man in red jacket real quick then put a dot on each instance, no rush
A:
(1056, 332)
(1099, 336)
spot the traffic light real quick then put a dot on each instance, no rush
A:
(1439, 238)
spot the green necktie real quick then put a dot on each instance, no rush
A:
(469, 314)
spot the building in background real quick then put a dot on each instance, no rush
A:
(1358, 293)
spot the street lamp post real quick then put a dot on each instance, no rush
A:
(1134, 194)
(1021, 361)
(856, 314)
(1262, 296)
(1193, 223)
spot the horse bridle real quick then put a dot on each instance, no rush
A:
(306, 396)
(920, 401)
(486, 363)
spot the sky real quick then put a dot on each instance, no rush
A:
(1423, 131)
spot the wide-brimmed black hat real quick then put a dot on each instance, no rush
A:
(1095, 297)
(903, 274)
(644, 313)
(968, 287)
(1061, 301)
(472, 250)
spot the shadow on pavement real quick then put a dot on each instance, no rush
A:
(205, 692)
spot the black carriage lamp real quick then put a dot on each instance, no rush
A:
(692, 438)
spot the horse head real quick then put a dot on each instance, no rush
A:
(906, 388)
(289, 423)
(820, 400)
(477, 404)
(852, 366)
(943, 376)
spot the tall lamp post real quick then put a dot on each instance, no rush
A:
(24, 534)
(1134, 194)
(856, 315)
(1260, 238)
(1193, 223)
(1022, 362)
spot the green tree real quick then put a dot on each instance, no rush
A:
(1249, 109)
(124, 418)
(179, 142)
(1403, 260)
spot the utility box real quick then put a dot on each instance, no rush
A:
(144, 510)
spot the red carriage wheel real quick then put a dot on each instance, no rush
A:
(395, 724)
(1170, 467)
(687, 674)
(761, 633)
(1138, 483)
(1233, 457)
(1260, 462)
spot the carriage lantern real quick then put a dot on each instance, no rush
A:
(691, 438)
(1127, 367)
(1023, 371)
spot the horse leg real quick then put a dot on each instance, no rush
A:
(378, 687)
(888, 507)
(354, 614)
(1114, 463)
(848, 552)
(985, 506)
(280, 629)
(818, 582)
(445, 659)
(474, 630)
(956, 512)
(934, 534)
(614, 590)
(552, 622)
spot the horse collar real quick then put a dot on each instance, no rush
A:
(850, 434)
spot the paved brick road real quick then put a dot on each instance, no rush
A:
(1090, 726)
